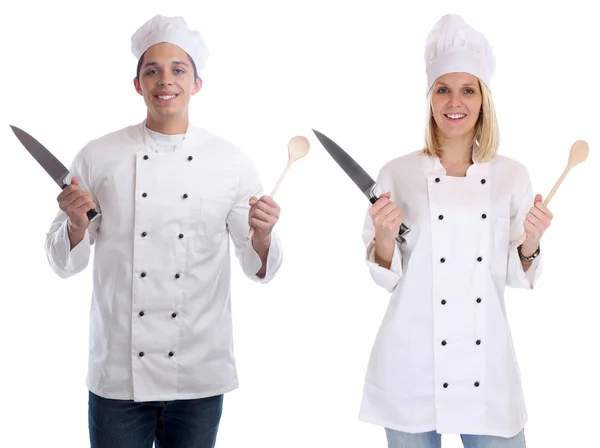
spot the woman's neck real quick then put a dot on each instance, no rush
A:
(457, 155)
(457, 150)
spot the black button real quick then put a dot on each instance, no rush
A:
(174, 315)
(190, 158)
(442, 260)
(445, 385)
(177, 275)
(444, 342)
(185, 195)
(444, 302)
(180, 235)
(441, 217)
(476, 383)
(482, 181)
(145, 157)
(479, 258)
(478, 299)
(141, 354)
(171, 353)
(144, 195)
(437, 179)
(144, 234)
(478, 342)
(142, 313)
(484, 216)
(143, 274)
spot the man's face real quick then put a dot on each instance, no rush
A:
(166, 81)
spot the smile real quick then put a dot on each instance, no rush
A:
(455, 116)
(165, 99)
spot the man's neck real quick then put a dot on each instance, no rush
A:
(168, 127)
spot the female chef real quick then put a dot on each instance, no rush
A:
(443, 360)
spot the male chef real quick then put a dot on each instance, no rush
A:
(170, 197)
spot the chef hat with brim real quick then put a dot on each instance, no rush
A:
(172, 30)
(453, 46)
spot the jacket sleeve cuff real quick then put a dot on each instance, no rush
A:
(251, 262)
(519, 278)
(386, 278)
(64, 260)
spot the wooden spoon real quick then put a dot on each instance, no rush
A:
(578, 154)
(298, 147)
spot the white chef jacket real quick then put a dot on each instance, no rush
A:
(443, 358)
(160, 323)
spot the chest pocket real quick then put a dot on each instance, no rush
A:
(216, 193)
(209, 220)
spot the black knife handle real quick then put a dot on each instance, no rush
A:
(91, 214)
(403, 229)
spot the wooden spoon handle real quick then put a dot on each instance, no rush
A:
(548, 198)
(556, 185)
(287, 167)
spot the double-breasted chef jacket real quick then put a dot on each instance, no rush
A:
(160, 323)
(443, 358)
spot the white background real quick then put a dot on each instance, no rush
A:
(353, 70)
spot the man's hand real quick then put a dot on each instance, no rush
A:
(264, 214)
(76, 202)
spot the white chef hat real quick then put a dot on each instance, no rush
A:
(453, 46)
(173, 30)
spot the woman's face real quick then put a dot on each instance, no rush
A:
(456, 103)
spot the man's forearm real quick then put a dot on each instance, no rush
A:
(262, 249)
(75, 236)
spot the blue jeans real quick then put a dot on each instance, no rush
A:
(397, 439)
(168, 424)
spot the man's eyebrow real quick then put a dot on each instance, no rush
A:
(154, 64)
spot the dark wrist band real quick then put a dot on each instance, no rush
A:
(532, 257)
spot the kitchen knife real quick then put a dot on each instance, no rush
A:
(360, 177)
(51, 164)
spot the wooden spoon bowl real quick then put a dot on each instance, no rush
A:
(298, 147)
(579, 153)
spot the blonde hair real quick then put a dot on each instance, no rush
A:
(486, 138)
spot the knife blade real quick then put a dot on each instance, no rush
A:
(359, 176)
(46, 159)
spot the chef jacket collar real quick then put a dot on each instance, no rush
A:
(192, 138)
(434, 166)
